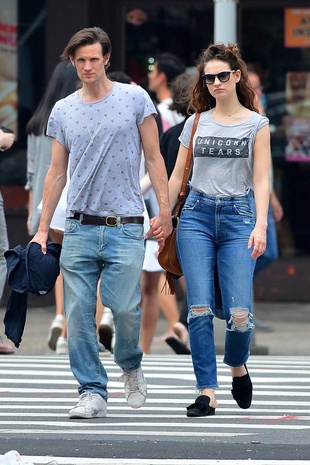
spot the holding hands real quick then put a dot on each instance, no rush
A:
(160, 229)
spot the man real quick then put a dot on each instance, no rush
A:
(167, 67)
(6, 141)
(99, 129)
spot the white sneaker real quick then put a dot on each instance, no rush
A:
(90, 405)
(55, 331)
(62, 346)
(135, 387)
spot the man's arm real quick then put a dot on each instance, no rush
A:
(160, 225)
(54, 183)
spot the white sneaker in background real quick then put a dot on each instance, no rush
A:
(55, 331)
(62, 346)
(90, 405)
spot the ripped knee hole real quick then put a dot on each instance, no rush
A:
(240, 318)
(200, 310)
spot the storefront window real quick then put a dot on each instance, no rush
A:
(183, 30)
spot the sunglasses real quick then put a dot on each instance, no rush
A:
(224, 76)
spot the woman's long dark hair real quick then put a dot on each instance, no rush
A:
(201, 99)
(64, 81)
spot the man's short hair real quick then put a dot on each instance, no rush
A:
(87, 36)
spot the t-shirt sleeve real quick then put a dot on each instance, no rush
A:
(263, 122)
(145, 106)
(259, 122)
(185, 136)
(54, 124)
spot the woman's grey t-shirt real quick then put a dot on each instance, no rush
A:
(223, 154)
(104, 175)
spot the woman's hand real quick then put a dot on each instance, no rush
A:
(258, 241)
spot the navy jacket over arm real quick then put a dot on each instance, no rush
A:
(29, 270)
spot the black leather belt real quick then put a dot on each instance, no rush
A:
(106, 220)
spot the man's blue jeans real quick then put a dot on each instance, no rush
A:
(215, 232)
(114, 254)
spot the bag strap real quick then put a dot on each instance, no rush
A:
(187, 168)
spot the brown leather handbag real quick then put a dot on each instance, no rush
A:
(168, 258)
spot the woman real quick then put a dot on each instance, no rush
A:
(217, 225)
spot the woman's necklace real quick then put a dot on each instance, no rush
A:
(228, 114)
(92, 134)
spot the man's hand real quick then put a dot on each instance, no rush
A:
(160, 229)
(41, 238)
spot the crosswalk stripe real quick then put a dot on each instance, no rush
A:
(143, 432)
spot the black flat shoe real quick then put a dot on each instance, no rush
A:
(200, 408)
(178, 346)
(242, 390)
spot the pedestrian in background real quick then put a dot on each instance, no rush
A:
(218, 227)
(181, 89)
(99, 130)
(6, 141)
(166, 68)
(275, 210)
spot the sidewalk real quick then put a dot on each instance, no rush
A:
(291, 323)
